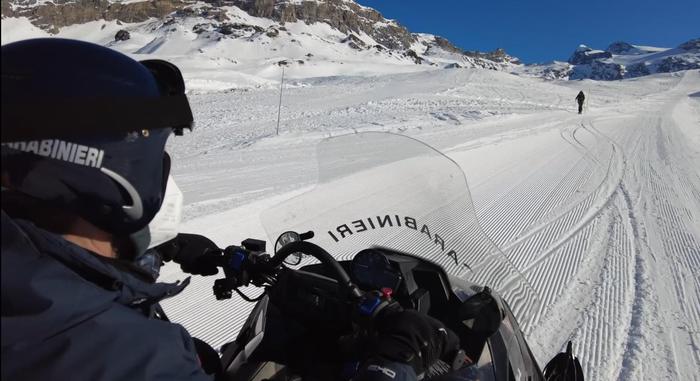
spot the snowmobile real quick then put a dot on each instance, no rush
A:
(389, 225)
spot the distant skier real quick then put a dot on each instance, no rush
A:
(580, 98)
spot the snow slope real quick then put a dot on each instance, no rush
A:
(247, 52)
(600, 212)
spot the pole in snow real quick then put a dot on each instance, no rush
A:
(589, 95)
(279, 107)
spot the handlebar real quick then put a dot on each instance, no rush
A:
(241, 266)
(324, 257)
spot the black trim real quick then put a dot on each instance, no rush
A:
(54, 119)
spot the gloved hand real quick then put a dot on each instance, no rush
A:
(195, 254)
(413, 338)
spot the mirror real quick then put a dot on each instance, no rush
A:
(285, 239)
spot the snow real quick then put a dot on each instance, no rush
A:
(20, 28)
(247, 59)
(598, 211)
(649, 48)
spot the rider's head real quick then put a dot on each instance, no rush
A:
(84, 131)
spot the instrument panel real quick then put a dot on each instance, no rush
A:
(372, 270)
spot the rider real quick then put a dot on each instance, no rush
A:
(84, 171)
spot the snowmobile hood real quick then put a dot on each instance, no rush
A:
(50, 285)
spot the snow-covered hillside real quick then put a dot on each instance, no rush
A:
(620, 60)
(237, 44)
(225, 47)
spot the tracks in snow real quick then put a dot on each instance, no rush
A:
(631, 302)
(544, 226)
(583, 244)
(601, 215)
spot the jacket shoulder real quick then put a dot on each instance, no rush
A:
(57, 325)
(117, 344)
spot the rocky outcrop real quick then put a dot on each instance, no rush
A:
(638, 70)
(52, 16)
(675, 63)
(346, 16)
(122, 35)
(354, 42)
(414, 56)
(558, 72)
(638, 60)
(499, 55)
(692, 46)
(621, 47)
(232, 28)
(585, 55)
(446, 45)
(598, 71)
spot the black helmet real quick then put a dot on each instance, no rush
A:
(84, 128)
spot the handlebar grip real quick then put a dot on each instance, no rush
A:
(306, 236)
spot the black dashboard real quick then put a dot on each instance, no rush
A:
(311, 294)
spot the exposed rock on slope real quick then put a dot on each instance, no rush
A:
(362, 29)
(498, 55)
(585, 55)
(52, 16)
(346, 16)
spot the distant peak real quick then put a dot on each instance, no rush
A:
(620, 47)
(584, 55)
(691, 45)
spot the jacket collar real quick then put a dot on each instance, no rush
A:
(131, 290)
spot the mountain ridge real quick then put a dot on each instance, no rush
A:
(299, 32)
(620, 60)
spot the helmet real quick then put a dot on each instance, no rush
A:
(84, 129)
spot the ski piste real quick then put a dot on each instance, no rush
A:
(335, 271)
(562, 195)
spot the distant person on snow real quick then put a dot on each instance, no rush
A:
(580, 98)
(84, 171)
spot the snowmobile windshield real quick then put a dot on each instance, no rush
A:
(385, 190)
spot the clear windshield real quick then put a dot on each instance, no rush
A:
(392, 191)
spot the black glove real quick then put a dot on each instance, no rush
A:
(195, 254)
(413, 338)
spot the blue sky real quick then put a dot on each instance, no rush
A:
(543, 30)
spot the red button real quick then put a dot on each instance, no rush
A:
(387, 292)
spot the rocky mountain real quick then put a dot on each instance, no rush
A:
(310, 37)
(620, 60)
(346, 16)
(584, 55)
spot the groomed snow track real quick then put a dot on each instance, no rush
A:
(600, 212)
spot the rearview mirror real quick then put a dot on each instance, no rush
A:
(285, 239)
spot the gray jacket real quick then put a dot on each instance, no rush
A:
(68, 315)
